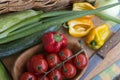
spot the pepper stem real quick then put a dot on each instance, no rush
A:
(65, 25)
(57, 37)
(93, 43)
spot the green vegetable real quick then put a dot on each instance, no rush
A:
(9, 20)
(21, 24)
(111, 11)
(31, 20)
(25, 28)
(4, 74)
(54, 21)
(56, 13)
(107, 17)
(24, 43)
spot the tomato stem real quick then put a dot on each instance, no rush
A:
(38, 67)
(61, 53)
(30, 78)
(78, 63)
(62, 63)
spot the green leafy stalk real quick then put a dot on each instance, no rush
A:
(21, 24)
(24, 29)
(9, 20)
(54, 21)
(108, 17)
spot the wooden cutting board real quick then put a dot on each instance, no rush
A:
(9, 61)
(113, 56)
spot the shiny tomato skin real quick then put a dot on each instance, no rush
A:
(28, 76)
(53, 60)
(40, 66)
(69, 70)
(55, 75)
(30, 62)
(80, 61)
(41, 76)
(38, 56)
(65, 53)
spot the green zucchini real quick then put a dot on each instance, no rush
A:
(8, 20)
(4, 74)
(24, 43)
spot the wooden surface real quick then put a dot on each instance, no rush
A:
(114, 55)
(20, 63)
(110, 58)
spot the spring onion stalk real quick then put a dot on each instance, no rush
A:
(9, 20)
(114, 11)
(21, 24)
(54, 21)
(107, 17)
(32, 20)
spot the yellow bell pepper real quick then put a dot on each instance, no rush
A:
(80, 27)
(83, 6)
(98, 36)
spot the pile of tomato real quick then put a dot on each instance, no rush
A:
(48, 66)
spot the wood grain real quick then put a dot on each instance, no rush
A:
(112, 42)
(114, 55)
(20, 63)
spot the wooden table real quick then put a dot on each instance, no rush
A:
(114, 55)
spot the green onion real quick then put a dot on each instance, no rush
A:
(54, 21)
(9, 20)
(108, 17)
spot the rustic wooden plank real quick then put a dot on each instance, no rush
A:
(114, 55)
(9, 61)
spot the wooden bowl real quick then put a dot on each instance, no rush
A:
(20, 63)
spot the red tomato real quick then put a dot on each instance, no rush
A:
(80, 61)
(30, 62)
(68, 70)
(52, 59)
(55, 75)
(41, 78)
(38, 56)
(40, 66)
(28, 76)
(65, 53)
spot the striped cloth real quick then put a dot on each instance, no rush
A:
(110, 73)
(114, 70)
